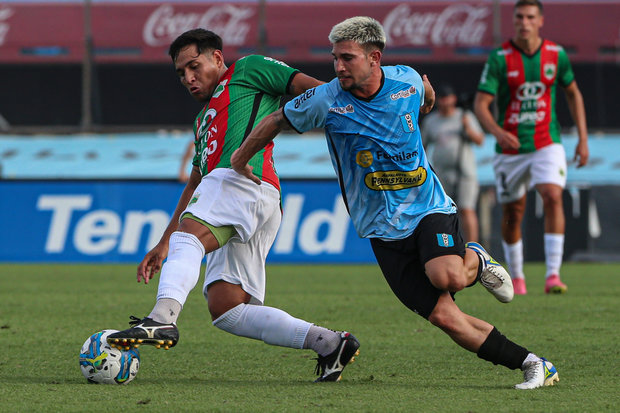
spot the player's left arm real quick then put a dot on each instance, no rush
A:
(578, 113)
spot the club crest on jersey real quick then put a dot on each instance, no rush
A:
(445, 240)
(409, 123)
(549, 70)
(220, 88)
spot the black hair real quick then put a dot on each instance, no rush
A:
(536, 3)
(203, 39)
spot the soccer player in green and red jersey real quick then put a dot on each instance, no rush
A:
(225, 216)
(523, 75)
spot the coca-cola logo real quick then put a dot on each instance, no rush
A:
(5, 13)
(457, 24)
(228, 21)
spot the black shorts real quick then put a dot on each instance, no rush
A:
(402, 261)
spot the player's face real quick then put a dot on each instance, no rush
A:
(199, 73)
(527, 22)
(352, 65)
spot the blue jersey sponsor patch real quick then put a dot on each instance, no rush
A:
(445, 240)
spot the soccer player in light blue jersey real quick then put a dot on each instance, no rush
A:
(370, 116)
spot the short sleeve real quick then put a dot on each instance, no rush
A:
(565, 70)
(267, 74)
(489, 80)
(309, 110)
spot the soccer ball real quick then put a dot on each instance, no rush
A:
(101, 363)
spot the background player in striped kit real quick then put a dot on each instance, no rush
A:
(523, 75)
(226, 217)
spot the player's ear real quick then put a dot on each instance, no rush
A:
(218, 58)
(375, 57)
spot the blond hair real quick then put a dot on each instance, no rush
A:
(361, 29)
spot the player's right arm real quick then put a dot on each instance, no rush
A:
(152, 261)
(482, 109)
(266, 130)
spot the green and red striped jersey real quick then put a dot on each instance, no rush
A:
(247, 92)
(525, 90)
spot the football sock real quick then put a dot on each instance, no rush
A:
(499, 350)
(513, 254)
(322, 340)
(181, 271)
(554, 247)
(269, 324)
(166, 311)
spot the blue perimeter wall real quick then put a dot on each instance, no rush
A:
(108, 198)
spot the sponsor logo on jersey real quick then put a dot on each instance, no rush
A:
(531, 91)
(549, 70)
(364, 158)
(445, 240)
(513, 73)
(303, 97)
(400, 156)
(526, 118)
(276, 61)
(403, 93)
(395, 180)
(342, 110)
(409, 123)
(220, 88)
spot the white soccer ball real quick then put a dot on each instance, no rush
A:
(101, 363)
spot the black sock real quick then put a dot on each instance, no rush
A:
(499, 350)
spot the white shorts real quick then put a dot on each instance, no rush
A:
(515, 174)
(224, 197)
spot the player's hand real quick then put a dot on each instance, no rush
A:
(429, 96)
(242, 168)
(151, 264)
(582, 154)
(507, 140)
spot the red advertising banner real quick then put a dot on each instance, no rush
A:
(438, 31)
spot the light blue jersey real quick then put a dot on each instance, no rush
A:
(376, 150)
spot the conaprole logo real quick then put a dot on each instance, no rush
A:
(531, 91)
(403, 93)
(342, 110)
(395, 180)
(364, 159)
(231, 22)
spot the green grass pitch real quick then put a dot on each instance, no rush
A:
(47, 311)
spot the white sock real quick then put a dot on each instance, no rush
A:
(513, 254)
(554, 249)
(322, 340)
(166, 311)
(530, 358)
(181, 271)
(269, 324)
